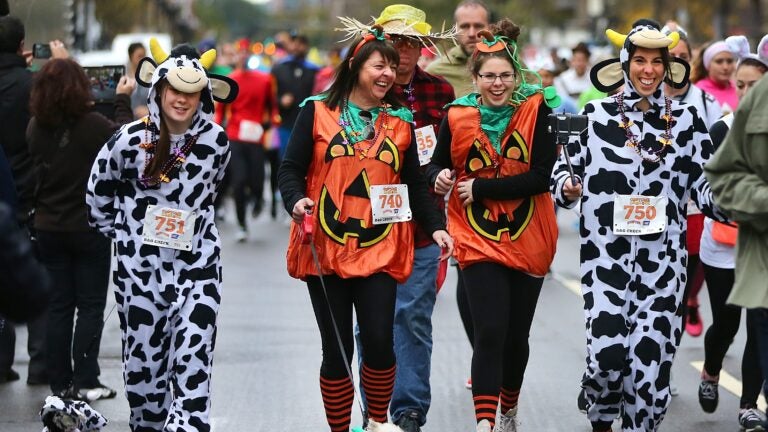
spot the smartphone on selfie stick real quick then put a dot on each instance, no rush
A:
(564, 126)
(41, 51)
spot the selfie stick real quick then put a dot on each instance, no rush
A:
(562, 134)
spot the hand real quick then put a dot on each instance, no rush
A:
(28, 57)
(444, 240)
(301, 208)
(58, 51)
(286, 100)
(572, 191)
(465, 192)
(444, 181)
(126, 85)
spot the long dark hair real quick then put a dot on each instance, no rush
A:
(61, 93)
(348, 71)
(163, 147)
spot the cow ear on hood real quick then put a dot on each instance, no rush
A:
(224, 88)
(144, 71)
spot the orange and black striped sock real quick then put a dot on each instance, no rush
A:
(485, 408)
(378, 386)
(508, 399)
(338, 396)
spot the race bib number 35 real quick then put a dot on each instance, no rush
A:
(639, 215)
(168, 227)
(425, 141)
(390, 203)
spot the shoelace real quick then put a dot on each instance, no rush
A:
(751, 414)
(708, 390)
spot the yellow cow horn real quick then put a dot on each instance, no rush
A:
(675, 36)
(208, 58)
(157, 51)
(616, 38)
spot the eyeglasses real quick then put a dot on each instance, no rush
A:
(405, 42)
(506, 77)
(367, 118)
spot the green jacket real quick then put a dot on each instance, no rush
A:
(738, 175)
(453, 67)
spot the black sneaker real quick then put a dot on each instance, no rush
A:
(9, 376)
(409, 422)
(751, 420)
(582, 402)
(69, 393)
(708, 396)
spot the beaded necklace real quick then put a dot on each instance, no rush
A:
(665, 139)
(355, 138)
(175, 160)
(488, 145)
(410, 94)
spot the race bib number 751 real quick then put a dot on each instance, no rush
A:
(168, 227)
(639, 215)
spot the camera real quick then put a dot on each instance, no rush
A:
(566, 124)
(41, 51)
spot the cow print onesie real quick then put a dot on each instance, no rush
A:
(633, 285)
(167, 299)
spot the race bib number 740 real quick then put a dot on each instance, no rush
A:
(390, 203)
(639, 215)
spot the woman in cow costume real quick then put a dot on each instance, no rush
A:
(495, 147)
(636, 165)
(151, 190)
(351, 167)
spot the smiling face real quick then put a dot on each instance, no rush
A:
(721, 67)
(497, 92)
(178, 108)
(646, 70)
(374, 81)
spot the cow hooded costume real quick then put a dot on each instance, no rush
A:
(168, 276)
(638, 169)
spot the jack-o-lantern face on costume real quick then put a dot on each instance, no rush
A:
(352, 220)
(490, 219)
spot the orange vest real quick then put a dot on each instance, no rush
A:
(520, 233)
(338, 181)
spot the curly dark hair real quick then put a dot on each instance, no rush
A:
(505, 28)
(61, 93)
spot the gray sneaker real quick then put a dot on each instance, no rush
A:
(483, 426)
(751, 420)
(409, 422)
(507, 422)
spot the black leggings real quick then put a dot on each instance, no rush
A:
(726, 320)
(373, 298)
(247, 169)
(463, 303)
(503, 301)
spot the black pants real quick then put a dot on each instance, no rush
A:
(503, 302)
(373, 299)
(247, 170)
(726, 320)
(462, 301)
(78, 263)
(273, 157)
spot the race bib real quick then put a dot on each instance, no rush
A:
(250, 131)
(639, 215)
(425, 142)
(390, 204)
(168, 227)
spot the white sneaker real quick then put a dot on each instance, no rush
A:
(507, 422)
(241, 236)
(673, 390)
(483, 426)
(99, 392)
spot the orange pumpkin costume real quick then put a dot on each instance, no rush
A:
(519, 233)
(338, 181)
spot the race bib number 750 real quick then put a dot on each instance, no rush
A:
(639, 215)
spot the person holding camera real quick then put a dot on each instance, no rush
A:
(636, 165)
(495, 150)
(64, 137)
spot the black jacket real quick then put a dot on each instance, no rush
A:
(15, 86)
(23, 281)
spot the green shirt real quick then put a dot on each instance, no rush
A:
(453, 67)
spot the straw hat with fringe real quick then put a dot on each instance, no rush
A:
(403, 20)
